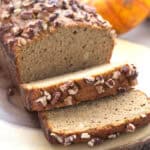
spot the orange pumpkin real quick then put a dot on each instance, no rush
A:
(122, 14)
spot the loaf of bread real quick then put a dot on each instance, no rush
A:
(94, 122)
(45, 38)
(74, 88)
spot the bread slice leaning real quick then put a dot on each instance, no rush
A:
(96, 121)
(74, 88)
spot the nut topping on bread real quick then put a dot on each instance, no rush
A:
(85, 136)
(130, 71)
(130, 127)
(27, 3)
(112, 136)
(42, 100)
(68, 140)
(5, 15)
(64, 87)
(100, 89)
(89, 80)
(99, 80)
(57, 137)
(48, 95)
(16, 30)
(30, 9)
(56, 97)
(110, 83)
(73, 91)
(94, 141)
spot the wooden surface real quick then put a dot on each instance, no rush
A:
(19, 129)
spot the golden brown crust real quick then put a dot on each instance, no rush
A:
(83, 90)
(102, 133)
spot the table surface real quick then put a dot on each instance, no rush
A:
(140, 35)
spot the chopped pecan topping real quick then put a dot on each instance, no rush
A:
(54, 13)
(100, 89)
(69, 14)
(48, 95)
(89, 80)
(10, 8)
(16, 30)
(17, 11)
(26, 15)
(64, 4)
(125, 69)
(94, 141)
(64, 87)
(68, 140)
(42, 100)
(57, 137)
(50, 7)
(110, 83)
(112, 136)
(56, 97)
(85, 136)
(5, 15)
(37, 8)
(130, 127)
(53, 17)
(27, 3)
(99, 80)
(116, 75)
(73, 90)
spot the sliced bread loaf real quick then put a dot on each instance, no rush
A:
(93, 122)
(74, 88)
(45, 38)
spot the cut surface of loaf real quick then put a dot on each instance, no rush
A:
(46, 38)
(74, 88)
(96, 121)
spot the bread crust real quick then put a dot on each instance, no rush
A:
(84, 92)
(102, 133)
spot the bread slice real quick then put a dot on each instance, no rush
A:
(80, 86)
(94, 122)
(42, 38)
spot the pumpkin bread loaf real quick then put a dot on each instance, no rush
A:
(45, 38)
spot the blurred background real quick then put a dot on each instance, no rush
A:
(130, 18)
(140, 34)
